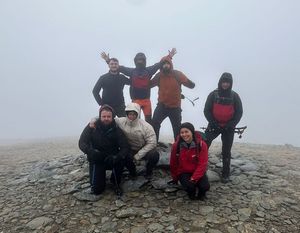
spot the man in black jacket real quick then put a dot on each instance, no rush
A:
(112, 84)
(106, 148)
(223, 111)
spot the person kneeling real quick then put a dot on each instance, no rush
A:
(106, 147)
(188, 162)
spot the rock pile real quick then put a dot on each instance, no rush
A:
(53, 196)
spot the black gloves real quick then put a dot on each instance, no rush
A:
(95, 155)
(111, 160)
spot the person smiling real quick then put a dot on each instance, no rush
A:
(188, 162)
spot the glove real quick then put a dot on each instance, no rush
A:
(111, 160)
(95, 156)
(213, 126)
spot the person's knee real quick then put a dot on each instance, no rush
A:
(153, 157)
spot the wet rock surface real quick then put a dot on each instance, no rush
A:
(44, 188)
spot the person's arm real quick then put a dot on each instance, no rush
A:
(238, 112)
(202, 163)
(153, 69)
(174, 162)
(208, 109)
(184, 80)
(123, 145)
(150, 139)
(125, 80)
(155, 80)
(96, 91)
(85, 140)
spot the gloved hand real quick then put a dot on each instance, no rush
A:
(229, 126)
(111, 160)
(213, 126)
(95, 155)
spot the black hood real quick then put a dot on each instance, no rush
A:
(140, 56)
(228, 78)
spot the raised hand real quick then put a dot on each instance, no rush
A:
(105, 56)
(172, 52)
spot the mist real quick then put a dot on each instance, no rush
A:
(50, 60)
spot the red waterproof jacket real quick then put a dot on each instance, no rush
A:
(188, 160)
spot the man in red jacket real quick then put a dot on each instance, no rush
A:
(188, 162)
(223, 111)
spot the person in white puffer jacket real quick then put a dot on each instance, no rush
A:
(141, 138)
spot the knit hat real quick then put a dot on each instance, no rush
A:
(188, 126)
(107, 108)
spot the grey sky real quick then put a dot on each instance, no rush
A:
(50, 59)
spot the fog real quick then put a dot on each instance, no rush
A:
(50, 60)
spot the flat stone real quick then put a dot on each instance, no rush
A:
(85, 196)
(244, 213)
(155, 227)
(205, 210)
(38, 222)
(213, 176)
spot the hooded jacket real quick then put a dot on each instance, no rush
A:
(169, 85)
(140, 134)
(188, 160)
(109, 140)
(223, 108)
(140, 79)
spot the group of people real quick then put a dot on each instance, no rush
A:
(119, 138)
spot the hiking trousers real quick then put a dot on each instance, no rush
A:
(161, 112)
(227, 136)
(202, 185)
(97, 174)
(151, 158)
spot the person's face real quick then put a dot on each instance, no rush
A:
(106, 117)
(225, 85)
(186, 135)
(166, 66)
(132, 115)
(113, 66)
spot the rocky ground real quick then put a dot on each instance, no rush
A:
(44, 188)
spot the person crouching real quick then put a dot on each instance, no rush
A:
(188, 162)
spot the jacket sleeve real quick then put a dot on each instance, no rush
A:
(125, 80)
(155, 80)
(153, 69)
(123, 144)
(238, 111)
(174, 162)
(150, 139)
(208, 108)
(97, 89)
(184, 80)
(126, 70)
(202, 163)
(85, 140)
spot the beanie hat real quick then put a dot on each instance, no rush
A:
(188, 126)
(107, 108)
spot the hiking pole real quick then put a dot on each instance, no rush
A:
(119, 194)
(237, 130)
(240, 130)
(192, 101)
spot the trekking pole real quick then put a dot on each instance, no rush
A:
(240, 130)
(237, 130)
(192, 101)
(119, 194)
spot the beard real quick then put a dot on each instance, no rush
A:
(166, 70)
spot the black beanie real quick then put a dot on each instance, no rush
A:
(107, 108)
(188, 126)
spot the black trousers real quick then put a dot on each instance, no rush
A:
(161, 112)
(227, 137)
(151, 158)
(97, 174)
(202, 185)
(119, 110)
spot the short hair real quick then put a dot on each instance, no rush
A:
(113, 59)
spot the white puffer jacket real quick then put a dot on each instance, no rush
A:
(140, 134)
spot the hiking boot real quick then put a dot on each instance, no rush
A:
(225, 179)
(118, 190)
